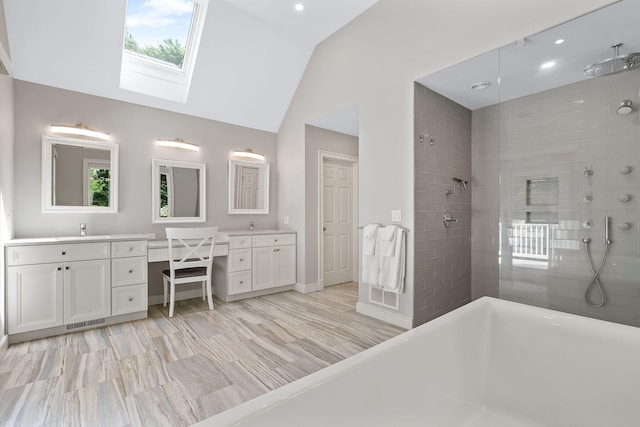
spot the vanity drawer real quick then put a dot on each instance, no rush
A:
(128, 248)
(129, 299)
(238, 282)
(274, 240)
(239, 259)
(128, 271)
(237, 242)
(24, 255)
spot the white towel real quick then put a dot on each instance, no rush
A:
(392, 268)
(388, 240)
(370, 269)
(369, 235)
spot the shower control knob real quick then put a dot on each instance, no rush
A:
(624, 198)
(587, 223)
(588, 198)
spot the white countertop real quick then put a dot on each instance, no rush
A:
(256, 232)
(77, 239)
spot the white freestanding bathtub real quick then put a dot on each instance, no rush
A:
(490, 363)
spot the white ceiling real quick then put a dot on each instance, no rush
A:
(515, 71)
(252, 53)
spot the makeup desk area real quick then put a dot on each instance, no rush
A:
(63, 284)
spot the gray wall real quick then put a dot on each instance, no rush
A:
(6, 179)
(442, 255)
(135, 128)
(556, 134)
(317, 139)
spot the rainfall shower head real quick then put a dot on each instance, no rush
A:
(617, 64)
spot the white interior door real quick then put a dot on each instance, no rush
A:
(337, 221)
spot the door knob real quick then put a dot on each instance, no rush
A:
(324, 228)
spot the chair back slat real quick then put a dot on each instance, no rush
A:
(191, 247)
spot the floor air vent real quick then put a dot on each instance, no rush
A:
(85, 324)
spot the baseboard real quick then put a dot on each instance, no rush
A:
(4, 344)
(384, 315)
(311, 287)
(180, 295)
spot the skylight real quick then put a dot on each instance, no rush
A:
(161, 41)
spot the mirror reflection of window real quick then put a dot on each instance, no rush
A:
(97, 176)
(179, 192)
(80, 176)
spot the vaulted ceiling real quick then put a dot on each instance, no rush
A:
(252, 54)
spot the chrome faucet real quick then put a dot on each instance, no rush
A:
(250, 225)
(83, 229)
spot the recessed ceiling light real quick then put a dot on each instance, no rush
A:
(480, 85)
(299, 7)
(548, 65)
(559, 41)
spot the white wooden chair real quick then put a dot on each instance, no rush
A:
(190, 260)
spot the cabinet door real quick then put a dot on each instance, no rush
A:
(87, 290)
(263, 268)
(34, 297)
(285, 265)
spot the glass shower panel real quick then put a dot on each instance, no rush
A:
(567, 161)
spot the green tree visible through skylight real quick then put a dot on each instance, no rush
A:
(159, 28)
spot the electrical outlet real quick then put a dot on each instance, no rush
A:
(285, 220)
(396, 216)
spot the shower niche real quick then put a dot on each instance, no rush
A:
(542, 195)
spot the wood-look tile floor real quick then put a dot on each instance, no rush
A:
(176, 372)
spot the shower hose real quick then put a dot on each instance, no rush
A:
(595, 281)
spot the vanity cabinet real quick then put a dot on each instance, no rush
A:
(54, 285)
(274, 261)
(129, 282)
(53, 288)
(34, 297)
(256, 265)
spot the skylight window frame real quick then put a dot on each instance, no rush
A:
(151, 76)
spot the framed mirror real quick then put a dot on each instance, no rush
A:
(79, 175)
(178, 191)
(248, 187)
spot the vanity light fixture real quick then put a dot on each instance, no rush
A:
(80, 130)
(178, 143)
(248, 154)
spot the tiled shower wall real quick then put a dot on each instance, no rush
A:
(442, 255)
(532, 152)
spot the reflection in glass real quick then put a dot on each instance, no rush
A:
(178, 191)
(79, 175)
(248, 187)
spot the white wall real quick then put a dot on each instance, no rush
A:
(384, 50)
(6, 169)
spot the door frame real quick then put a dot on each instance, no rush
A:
(322, 157)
